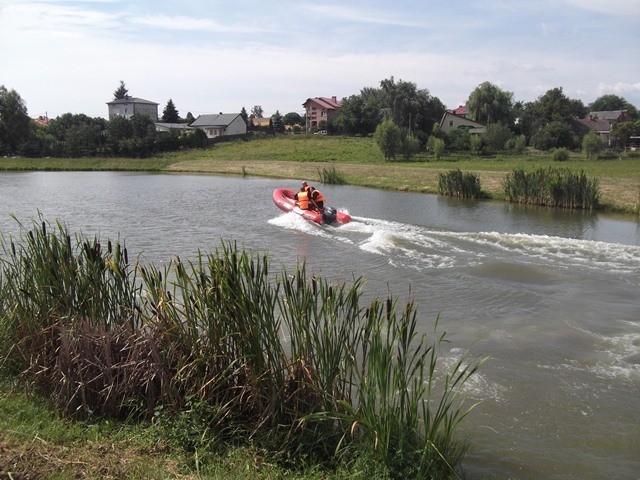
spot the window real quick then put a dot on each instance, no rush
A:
(451, 123)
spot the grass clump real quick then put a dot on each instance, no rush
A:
(331, 176)
(455, 183)
(552, 187)
(227, 354)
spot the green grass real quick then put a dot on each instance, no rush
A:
(37, 442)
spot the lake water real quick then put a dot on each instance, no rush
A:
(552, 297)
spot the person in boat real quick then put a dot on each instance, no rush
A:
(317, 199)
(303, 197)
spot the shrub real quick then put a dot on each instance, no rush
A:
(389, 139)
(517, 144)
(410, 146)
(592, 146)
(438, 147)
(560, 155)
(476, 144)
(457, 184)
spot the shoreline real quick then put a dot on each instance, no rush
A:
(360, 163)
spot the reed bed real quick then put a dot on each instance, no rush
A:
(552, 187)
(455, 183)
(331, 176)
(286, 359)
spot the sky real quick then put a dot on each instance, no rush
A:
(211, 56)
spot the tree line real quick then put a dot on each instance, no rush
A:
(404, 118)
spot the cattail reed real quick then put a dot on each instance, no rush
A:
(292, 357)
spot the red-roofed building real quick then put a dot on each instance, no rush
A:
(461, 111)
(320, 109)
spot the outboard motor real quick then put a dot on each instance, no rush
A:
(329, 215)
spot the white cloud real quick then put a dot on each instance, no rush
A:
(624, 8)
(620, 88)
(193, 24)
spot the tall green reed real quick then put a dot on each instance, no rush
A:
(290, 357)
(556, 187)
(455, 183)
(331, 176)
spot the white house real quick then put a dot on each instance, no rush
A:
(128, 106)
(450, 122)
(221, 124)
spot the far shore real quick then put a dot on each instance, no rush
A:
(360, 163)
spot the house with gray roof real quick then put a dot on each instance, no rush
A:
(601, 123)
(221, 124)
(128, 106)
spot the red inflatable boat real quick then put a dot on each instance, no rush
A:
(283, 198)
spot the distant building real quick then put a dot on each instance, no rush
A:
(320, 109)
(168, 127)
(451, 122)
(261, 122)
(601, 123)
(43, 120)
(221, 124)
(128, 106)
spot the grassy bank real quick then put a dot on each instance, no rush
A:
(359, 162)
(37, 443)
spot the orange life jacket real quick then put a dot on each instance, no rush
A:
(303, 200)
(317, 196)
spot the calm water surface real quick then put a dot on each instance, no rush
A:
(552, 297)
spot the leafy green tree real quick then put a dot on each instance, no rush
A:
(170, 113)
(292, 118)
(410, 146)
(389, 139)
(555, 134)
(438, 147)
(83, 140)
(143, 126)
(14, 121)
(409, 107)
(517, 144)
(592, 146)
(552, 107)
(358, 115)
(489, 104)
(118, 128)
(623, 131)
(256, 112)
(77, 134)
(497, 136)
(607, 103)
(476, 144)
(458, 139)
(190, 118)
(121, 92)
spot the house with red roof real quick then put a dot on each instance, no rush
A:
(319, 110)
(461, 111)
